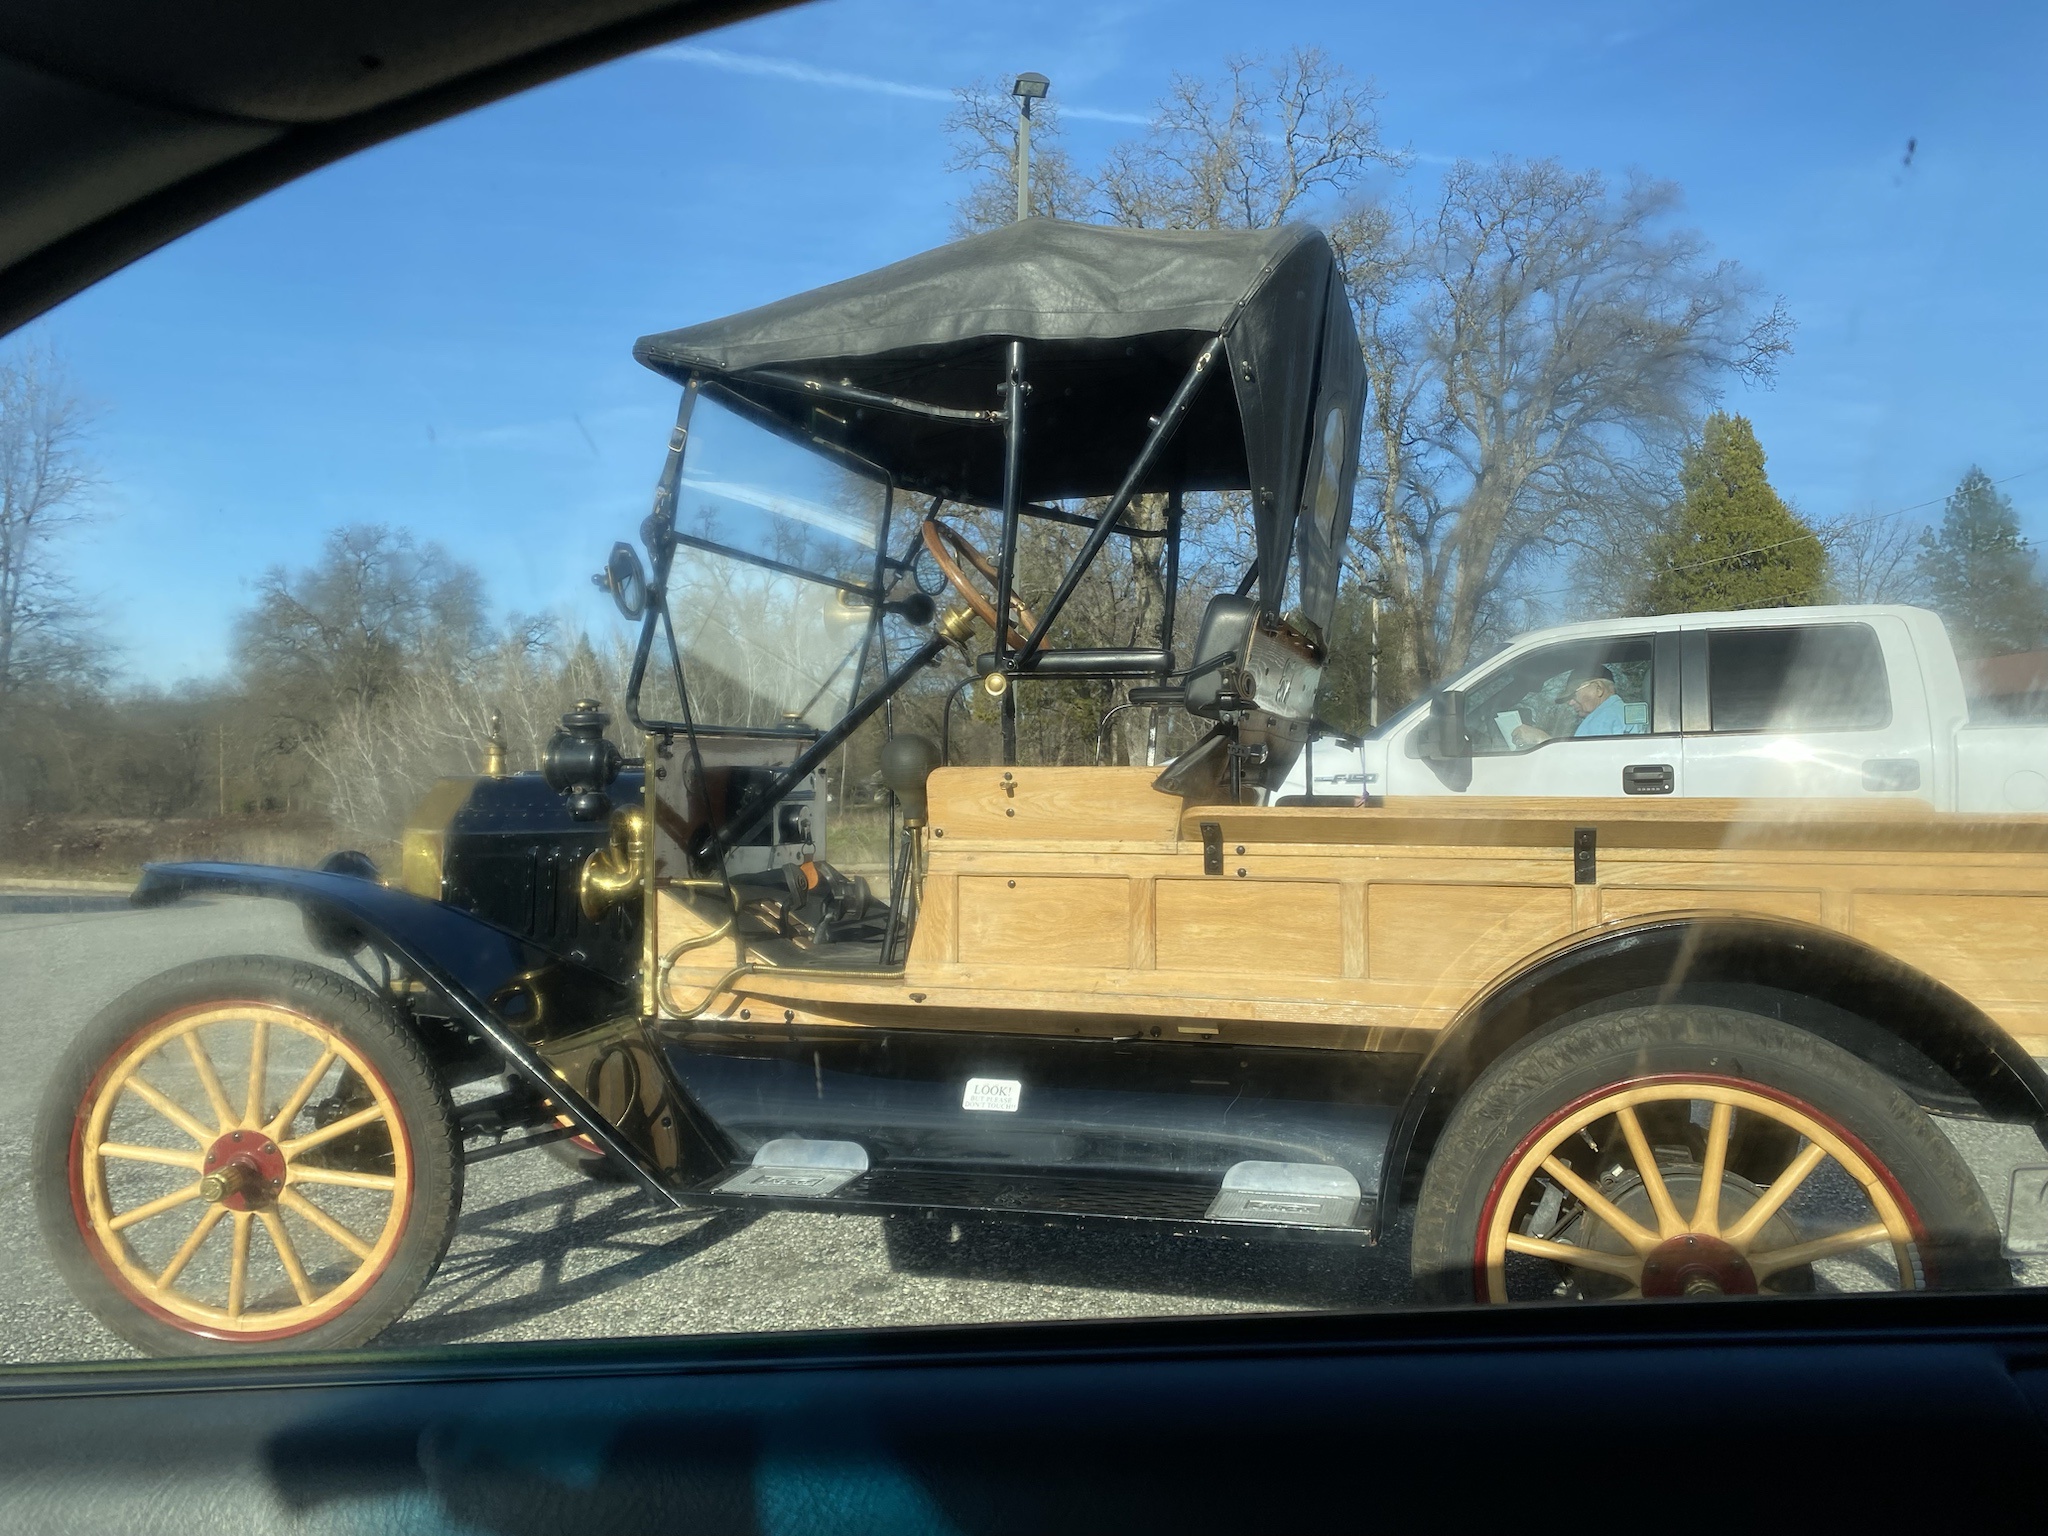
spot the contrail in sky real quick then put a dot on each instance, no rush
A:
(839, 79)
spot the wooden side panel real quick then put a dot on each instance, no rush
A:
(1244, 927)
(1144, 934)
(1048, 921)
(936, 939)
(1040, 805)
(1621, 904)
(1352, 920)
(1984, 946)
(1459, 935)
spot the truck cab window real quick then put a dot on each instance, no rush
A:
(1579, 688)
(1817, 677)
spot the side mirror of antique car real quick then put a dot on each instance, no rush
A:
(626, 579)
(580, 763)
(1446, 740)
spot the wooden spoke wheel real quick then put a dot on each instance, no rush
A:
(1590, 1193)
(247, 1153)
(949, 547)
(1690, 1152)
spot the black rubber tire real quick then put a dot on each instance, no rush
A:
(372, 1027)
(1538, 1079)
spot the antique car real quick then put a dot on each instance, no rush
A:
(1602, 1049)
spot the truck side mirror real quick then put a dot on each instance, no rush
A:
(1446, 740)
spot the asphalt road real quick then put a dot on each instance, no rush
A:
(543, 1253)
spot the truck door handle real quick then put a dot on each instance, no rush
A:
(1891, 774)
(1648, 779)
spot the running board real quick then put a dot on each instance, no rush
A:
(1301, 1200)
(791, 1165)
(1287, 1195)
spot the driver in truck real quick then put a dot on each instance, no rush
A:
(1600, 712)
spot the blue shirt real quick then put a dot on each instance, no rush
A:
(1610, 719)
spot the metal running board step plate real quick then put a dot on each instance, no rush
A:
(1317, 1203)
(1287, 1195)
(791, 1165)
(1031, 1194)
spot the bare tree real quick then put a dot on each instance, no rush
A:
(1264, 145)
(347, 631)
(1398, 506)
(983, 129)
(1269, 142)
(375, 762)
(46, 634)
(1569, 338)
(1873, 558)
(1536, 343)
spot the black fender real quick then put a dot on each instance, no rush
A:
(1939, 1047)
(496, 983)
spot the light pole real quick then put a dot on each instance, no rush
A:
(1029, 88)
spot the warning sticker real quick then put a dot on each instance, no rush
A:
(998, 1093)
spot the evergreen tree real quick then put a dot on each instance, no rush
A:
(1978, 573)
(1733, 543)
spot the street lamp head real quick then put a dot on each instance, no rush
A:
(1031, 87)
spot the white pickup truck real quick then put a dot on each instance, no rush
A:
(1843, 702)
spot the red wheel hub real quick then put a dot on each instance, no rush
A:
(244, 1171)
(1695, 1264)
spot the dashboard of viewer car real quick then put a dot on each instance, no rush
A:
(131, 125)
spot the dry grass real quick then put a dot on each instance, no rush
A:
(116, 848)
(857, 840)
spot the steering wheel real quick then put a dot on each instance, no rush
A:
(945, 542)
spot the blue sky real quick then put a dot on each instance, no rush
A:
(436, 334)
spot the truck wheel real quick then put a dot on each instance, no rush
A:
(246, 1154)
(1694, 1151)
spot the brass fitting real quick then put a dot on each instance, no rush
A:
(494, 750)
(956, 625)
(617, 871)
(995, 685)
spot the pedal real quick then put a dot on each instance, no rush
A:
(792, 1165)
(1287, 1195)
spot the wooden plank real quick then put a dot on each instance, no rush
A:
(1248, 927)
(1630, 823)
(1046, 921)
(1585, 906)
(1628, 904)
(1984, 946)
(1459, 936)
(1041, 805)
(936, 940)
(1352, 927)
(1144, 923)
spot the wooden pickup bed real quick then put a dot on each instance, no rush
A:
(1075, 901)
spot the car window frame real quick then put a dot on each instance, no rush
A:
(1705, 682)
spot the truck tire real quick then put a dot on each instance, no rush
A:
(1583, 1165)
(246, 1154)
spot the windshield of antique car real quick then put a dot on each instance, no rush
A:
(1702, 448)
(772, 589)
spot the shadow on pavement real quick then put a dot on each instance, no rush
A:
(601, 1239)
(1271, 1274)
